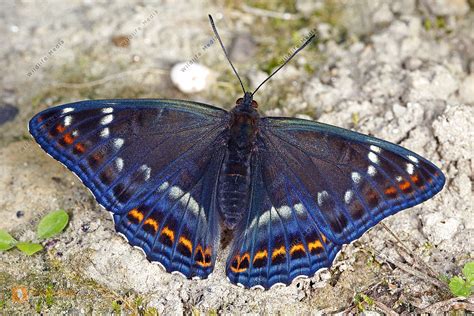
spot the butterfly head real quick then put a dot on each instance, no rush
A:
(247, 102)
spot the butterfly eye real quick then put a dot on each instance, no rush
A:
(254, 104)
(239, 101)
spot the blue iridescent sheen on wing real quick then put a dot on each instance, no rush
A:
(278, 240)
(141, 160)
(316, 187)
(294, 190)
(354, 180)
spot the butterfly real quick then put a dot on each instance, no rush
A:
(292, 191)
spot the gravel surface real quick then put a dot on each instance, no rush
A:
(399, 70)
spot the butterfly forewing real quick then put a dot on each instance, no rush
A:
(150, 162)
(354, 180)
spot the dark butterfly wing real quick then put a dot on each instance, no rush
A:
(279, 239)
(153, 164)
(322, 187)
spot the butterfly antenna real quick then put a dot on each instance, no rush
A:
(225, 52)
(286, 62)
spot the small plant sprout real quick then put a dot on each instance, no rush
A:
(463, 285)
(49, 226)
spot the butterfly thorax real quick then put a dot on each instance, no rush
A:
(234, 180)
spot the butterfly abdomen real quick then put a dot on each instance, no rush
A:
(234, 186)
(234, 179)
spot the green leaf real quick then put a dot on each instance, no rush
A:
(29, 248)
(52, 224)
(468, 272)
(6, 241)
(459, 287)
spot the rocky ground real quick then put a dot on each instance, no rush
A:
(400, 70)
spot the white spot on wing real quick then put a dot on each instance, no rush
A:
(265, 217)
(285, 211)
(146, 171)
(371, 171)
(118, 143)
(375, 148)
(67, 120)
(107, 119)
(185, 199)
(373, 157)
(322, 196)
(410, 168)
(176, 193)
(67, 110)
(348, 196)
(300, 209)
(105, 132)
(119, 164)
(398, 178)
(356, 177)
(107, 110)
(192, 204)
(413, 158)
(163, 186)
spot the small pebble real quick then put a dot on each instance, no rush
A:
(7, 113)
(190, 77)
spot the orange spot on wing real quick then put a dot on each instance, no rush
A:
(315, 245)
(245, 256)
(168, 232)
(278, 251)
(390, 191)
(298, 247)
(205, 255)
(262, 254)
(186, 243)
(151, 222)
(404, 185)
(68, 138)
(416, 180)
(79, 147)
(235, 266)
(135, 213)
(60, 128)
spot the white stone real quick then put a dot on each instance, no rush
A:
(190, 77)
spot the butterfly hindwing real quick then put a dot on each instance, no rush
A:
(279, 239)
(142, 161)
